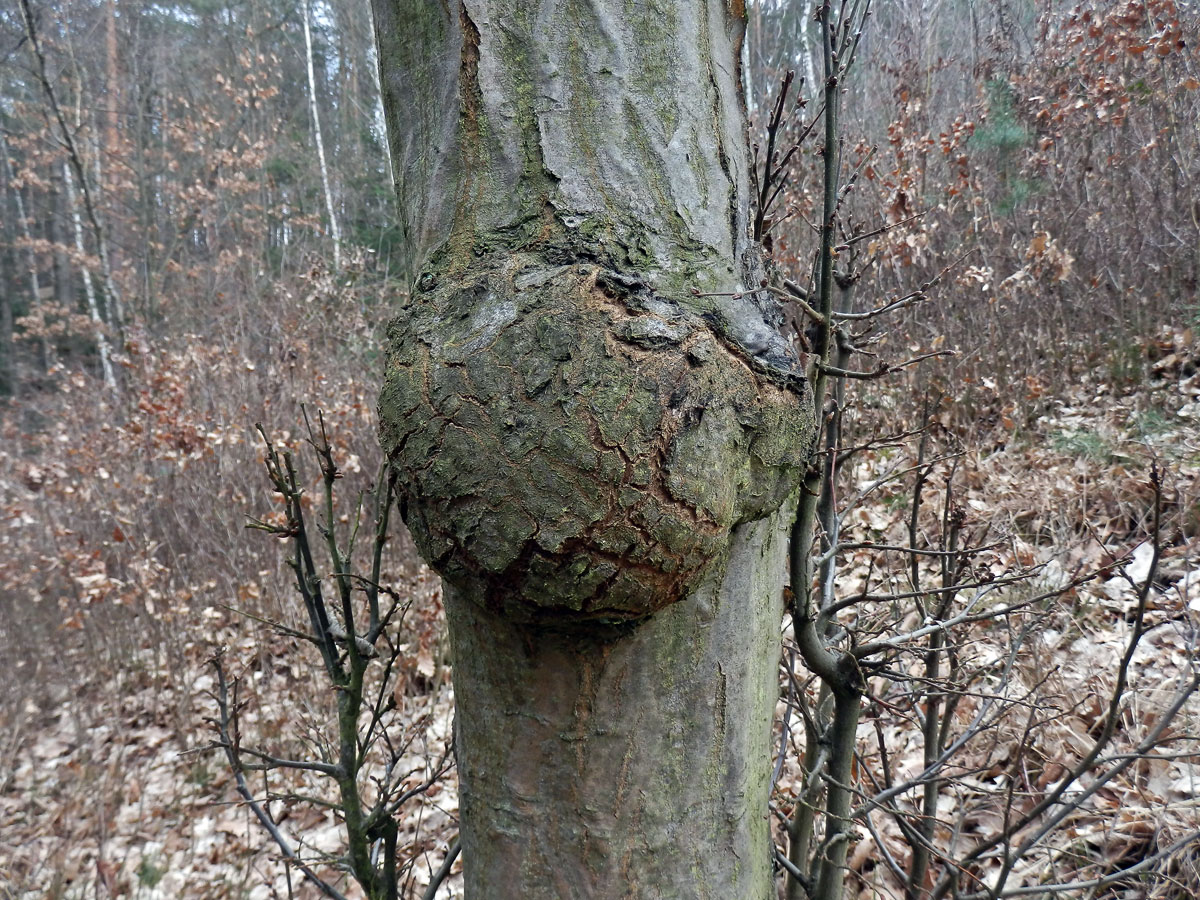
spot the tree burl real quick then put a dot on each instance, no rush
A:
(573, 446)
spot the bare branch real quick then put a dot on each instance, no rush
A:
(231, 748)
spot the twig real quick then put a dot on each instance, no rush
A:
(1188, 840)
(232, 756)
(883, 368)
(444, 870)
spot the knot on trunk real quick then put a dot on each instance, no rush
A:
(573, 447)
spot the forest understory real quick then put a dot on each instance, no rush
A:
(126, 555)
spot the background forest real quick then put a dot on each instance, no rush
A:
(198, 234)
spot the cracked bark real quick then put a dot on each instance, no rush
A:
(593, 456)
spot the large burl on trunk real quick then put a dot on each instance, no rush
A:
(598, 429)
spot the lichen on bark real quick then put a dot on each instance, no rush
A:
(574, 446)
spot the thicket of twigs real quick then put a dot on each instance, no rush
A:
(993, 757)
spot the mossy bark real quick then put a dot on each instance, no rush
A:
(595, 421)
(574, 446)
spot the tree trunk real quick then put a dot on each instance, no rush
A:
(9, 277)
(58, 230)
(330, 210)
(624, 762)
(113, 154)
(595, 422)
(89, 289)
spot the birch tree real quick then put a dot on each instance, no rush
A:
(330, 210)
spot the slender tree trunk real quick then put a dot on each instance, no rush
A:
(330, 209)
(110, 152)
(31, 257)
(8, 363)
(89, 288)
(59, 234)
(596, 422)
(9, 267)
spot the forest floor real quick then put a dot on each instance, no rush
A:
(106, 788)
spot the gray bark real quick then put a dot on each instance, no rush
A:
(595, 422)
(624, 762)
(64, 282)
(625, 116)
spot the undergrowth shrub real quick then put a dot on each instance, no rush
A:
(124, 512)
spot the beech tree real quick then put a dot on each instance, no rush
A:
(597, 428)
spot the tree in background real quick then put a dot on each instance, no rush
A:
(177, 144)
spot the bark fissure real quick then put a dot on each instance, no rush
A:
(471, 131)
